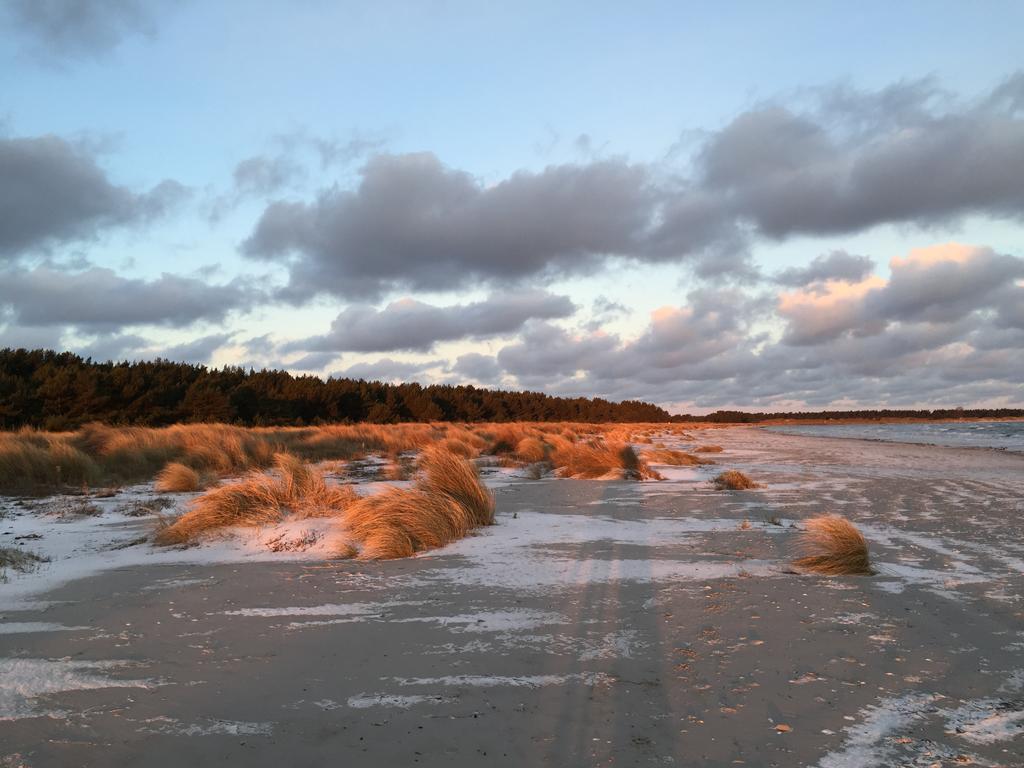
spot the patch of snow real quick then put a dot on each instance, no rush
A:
(23, 681)
(365, 701)
(19, 627)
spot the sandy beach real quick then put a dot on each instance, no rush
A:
(598, 623)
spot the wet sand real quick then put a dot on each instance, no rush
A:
(598, 623)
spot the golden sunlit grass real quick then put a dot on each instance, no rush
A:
(532, 450)
(734, 480)
(597, 459)
(30, 459)
(36, 461)
(674, 458)
(177, 478)
(260, 499)
(832, 545)
(447, 502)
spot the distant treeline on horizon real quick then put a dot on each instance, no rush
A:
(60, 391)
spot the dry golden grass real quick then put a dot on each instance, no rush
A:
(102, 455)
(532, 450)
(734, 480)
(446, 503)
(445, 474)
(260, 499)
(596, 459)
(30, 459)
(832, 545)
(709, 449)
(177, 478)
(460, 447)
(674, 458)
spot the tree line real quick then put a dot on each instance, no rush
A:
(60, 390)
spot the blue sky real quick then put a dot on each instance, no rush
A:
(654, 110)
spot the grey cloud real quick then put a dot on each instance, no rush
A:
(314, 361)
(473, 365)
(711, 353)
(837, 265)
(64, 29)
(115, 347)
(387, 369)
(944, 291)
(414, 325)
(98, 298)
(52, 191)
(19, 336)
(943, 284)
(196, 351)
(262, 175)
(905, 154)
(547, 351)
(413, 223)
(927, 161)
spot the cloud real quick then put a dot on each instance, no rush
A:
(854, 160)
(414, 223)
(67, 29)
(54, 192)
(939, 284)
(262, 175)
(387, 369)
(476, 366)
(945, 329)
(837, 265)
(198, 351)
(413, 325)
(99, 299)
(898, 155)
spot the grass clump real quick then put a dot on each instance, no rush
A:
(446, 503)
(599, 459)
(832, 545)
(674, 458)
(734, 480)
(18, 560)
(259, 499)
(179, 478)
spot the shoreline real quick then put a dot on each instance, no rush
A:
(996, 448)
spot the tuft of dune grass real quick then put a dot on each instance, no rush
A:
(595, 459)
(832, 545)
(445, 504)
(532, 450)
(177, 478)
(674, 458)
(260, 499)
(734, 480)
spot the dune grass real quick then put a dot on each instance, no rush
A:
(832, 545)
(598, 459)
(33, 461)
(259, 499)
(734, 480)
(674, 458)
(18, 560)
(447, 502)
(178, 478)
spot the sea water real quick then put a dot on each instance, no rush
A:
(1007, 435)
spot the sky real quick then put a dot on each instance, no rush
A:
(703, 205)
